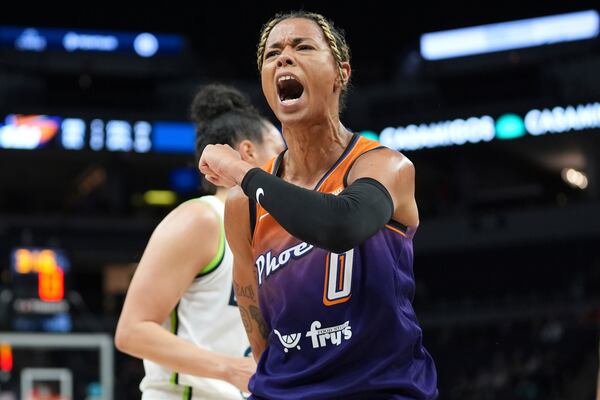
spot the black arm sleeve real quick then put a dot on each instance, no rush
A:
(335, 223)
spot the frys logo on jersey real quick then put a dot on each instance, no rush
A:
(320, 337)
(289, 341)
(333, 334)
(266, 263)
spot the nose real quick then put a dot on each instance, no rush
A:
(285, 60)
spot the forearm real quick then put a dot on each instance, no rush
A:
(148, 340)
(336, 223)
(254, 324)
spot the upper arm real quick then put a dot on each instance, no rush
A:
(180, 246)
(397, 174)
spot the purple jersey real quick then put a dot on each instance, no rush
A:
(342, 326)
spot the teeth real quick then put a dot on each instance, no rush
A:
(285, 78)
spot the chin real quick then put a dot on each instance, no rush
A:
(297, 117)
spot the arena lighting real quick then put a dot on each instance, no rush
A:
(511, 35)
(146, 45)
(173, 137)
(509, 126)
(142, 44)
(535, 122)
(563, 119)
(439, 134)
(33, 132)
(574, 178)
(27, 132)
(160, 197)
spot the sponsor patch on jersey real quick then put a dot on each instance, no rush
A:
(319, 336)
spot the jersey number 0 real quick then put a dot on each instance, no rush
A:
(338, 278)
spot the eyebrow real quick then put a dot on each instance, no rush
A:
(295, 41)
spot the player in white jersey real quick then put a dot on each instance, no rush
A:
(180, 314)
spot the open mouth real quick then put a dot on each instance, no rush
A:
(289, 89)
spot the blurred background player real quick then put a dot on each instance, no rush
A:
(180, 314)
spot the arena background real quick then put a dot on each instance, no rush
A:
(95, 148)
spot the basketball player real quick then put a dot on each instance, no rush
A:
(329, 237)
(180, 314)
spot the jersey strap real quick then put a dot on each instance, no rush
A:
(218, 258)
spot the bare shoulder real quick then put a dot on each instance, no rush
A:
(382, 161)
(397, 174)
(186, 239)
(194, 217)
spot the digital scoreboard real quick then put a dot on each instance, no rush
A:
(40, 279)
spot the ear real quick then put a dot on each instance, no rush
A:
(346, 72)
(247, 150)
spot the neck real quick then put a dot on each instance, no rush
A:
(312, 150)
(222, 193)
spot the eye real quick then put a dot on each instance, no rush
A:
(304, 47)
(271, 53)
